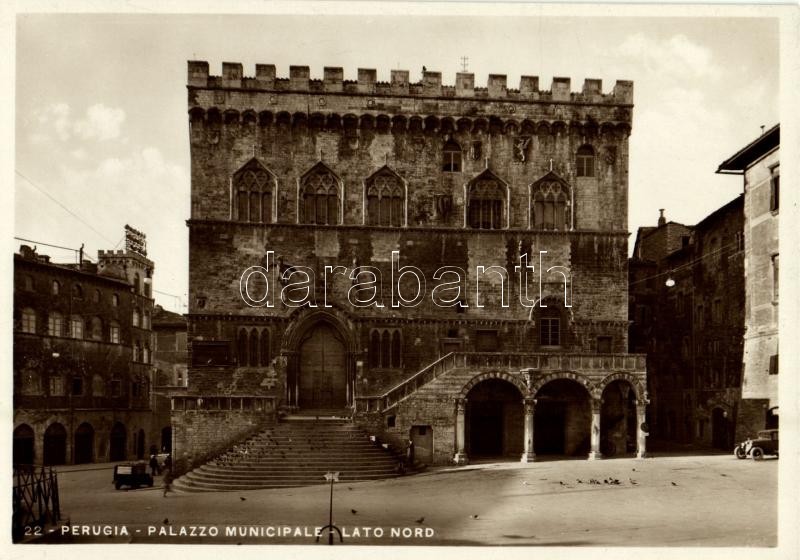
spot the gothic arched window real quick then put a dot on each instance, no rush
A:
(385, 199)
(487, 197)
(385, 348)
(550, 203)
(265, 350)
(320, 197)
(253, 186)
(584, 161)
(242, 348)
(253, 348)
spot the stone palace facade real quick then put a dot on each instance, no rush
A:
(441, 263)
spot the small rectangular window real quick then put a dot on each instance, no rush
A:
(604, 344)
(775, 277)
(56, 386)
(77, 386)
(116, 388)
(549, 332)
(773, 364)
(486, 341)
(774, 189)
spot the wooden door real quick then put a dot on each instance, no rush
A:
(422, 436)
(323, 369)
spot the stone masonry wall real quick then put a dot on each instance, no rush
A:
(196, 433)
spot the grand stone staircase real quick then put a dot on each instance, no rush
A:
(295, 452)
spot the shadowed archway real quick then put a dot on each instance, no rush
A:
(494, 419)
(562, 418)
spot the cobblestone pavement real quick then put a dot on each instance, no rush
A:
(667, 501)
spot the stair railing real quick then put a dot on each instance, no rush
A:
(513, 361)
(402, 390)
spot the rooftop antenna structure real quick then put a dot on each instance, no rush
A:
(464, 63)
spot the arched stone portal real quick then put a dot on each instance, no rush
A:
(84, 444)
(55, 445)
(562, 418)
(322, 368)
(140, 444)
(494, 420)
(23, 445)
(118, 443)
(618, 419)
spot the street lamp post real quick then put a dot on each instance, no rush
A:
(332, 477)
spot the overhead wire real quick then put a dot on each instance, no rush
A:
(689, 264)
(54, 199)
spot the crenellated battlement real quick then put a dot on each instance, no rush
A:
(430, 85)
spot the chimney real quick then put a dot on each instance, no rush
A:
(661, 219)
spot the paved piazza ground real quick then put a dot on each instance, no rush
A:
(709, 501)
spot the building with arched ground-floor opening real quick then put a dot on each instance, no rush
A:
(449, 273)
(82, 357)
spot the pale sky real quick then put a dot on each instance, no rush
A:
(102, 126)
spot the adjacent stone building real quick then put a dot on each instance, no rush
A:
(358, 248)
(170, 374)
(759, 163)
(686, 295)
(82, 358)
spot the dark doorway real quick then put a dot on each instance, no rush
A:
(549, 426)
(562, 419)
(772, 419)
(422, 436)
(55, 445)
(166, 439)
(84, 444)
(119, 441)
(618, 419)
(140, 445)
(23, 445)
(720, 430)
(323, 369)
(494, 419)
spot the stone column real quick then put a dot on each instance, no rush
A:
(460, 457)
(641, 435)
(528, 456)
(595, 433)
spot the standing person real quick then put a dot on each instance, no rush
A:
(153, 465)
(410, 454)
(168, 462)
(167, 480)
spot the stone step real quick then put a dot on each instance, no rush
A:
(297, 452)
(200, 486)
(277, 468)
(278, 475)
(321, 458)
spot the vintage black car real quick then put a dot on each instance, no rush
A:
(132, 474)
(766, 443)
